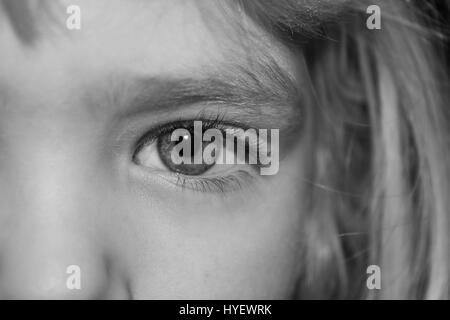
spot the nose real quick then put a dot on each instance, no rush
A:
(38, 266)
(51, 244)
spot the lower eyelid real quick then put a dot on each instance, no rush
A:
(231, 183)
(224, 184)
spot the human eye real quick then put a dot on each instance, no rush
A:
(154, 153)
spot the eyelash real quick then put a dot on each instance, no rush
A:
(232, 182)
(152, 135)
(220, 184)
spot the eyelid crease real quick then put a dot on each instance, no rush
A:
(260, 87)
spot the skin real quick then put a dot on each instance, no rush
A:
(70, 194)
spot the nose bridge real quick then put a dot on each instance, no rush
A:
(45, 177)
(50, 246)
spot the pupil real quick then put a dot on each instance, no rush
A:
(165, 146)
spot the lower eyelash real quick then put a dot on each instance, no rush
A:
(226, 184)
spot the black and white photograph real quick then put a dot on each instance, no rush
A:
(224, 150)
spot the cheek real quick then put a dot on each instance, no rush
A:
(219, 248)
(254, 258)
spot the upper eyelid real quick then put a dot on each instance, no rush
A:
(131, 130)
(154, 133)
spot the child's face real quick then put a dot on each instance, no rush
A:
(72, 108)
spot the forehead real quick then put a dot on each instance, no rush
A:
(140, 38)
(136, 34)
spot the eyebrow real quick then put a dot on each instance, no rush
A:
(266, 90)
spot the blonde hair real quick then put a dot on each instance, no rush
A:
(378, 130)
